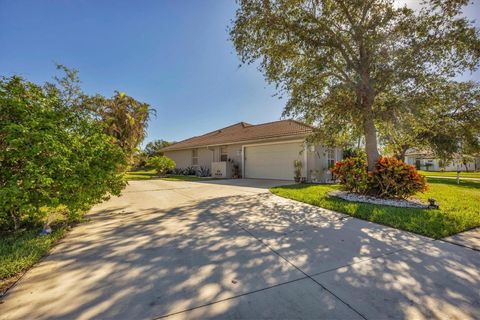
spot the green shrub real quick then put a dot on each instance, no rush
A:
(51, 156)
(391, 178)
(162, 164)
(298, 165)
(352, 174)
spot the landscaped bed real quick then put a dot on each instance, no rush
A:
(459, 207)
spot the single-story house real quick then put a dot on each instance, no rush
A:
(262, 151)
(426, 160)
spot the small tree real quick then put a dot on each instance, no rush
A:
(162, 164)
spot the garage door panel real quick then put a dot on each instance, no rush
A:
(272, 161)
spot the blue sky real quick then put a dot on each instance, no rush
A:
(174, 55)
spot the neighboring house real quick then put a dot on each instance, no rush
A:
(262, 151)
(425, 160)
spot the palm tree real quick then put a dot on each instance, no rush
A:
(125, 119)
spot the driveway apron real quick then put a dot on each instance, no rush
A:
(229, 249)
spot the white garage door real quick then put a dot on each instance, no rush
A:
(274, 161)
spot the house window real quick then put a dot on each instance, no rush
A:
(330, 158)
(194, 157)
(223, 154)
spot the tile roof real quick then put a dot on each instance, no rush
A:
(243, 131)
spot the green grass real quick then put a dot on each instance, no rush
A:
(20, 251)
(450, 174)
(151, 174)
(141, 175)
(459, 207)
(185, 178)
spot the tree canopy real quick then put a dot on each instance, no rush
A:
(153, 147)
(347, 65)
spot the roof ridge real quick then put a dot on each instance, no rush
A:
(284, 120)
(302, 123)
(219, 130)
(244, 131)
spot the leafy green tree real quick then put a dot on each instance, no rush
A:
(68, 87)
(161, 164)
(344, 64)
(50, 156)
(444, 120)
(153, 148)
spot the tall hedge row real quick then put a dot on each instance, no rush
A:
(51, 156)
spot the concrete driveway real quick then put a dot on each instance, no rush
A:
(230, 250)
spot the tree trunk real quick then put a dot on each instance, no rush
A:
(371, 146)
(365, 98)
(401, 154)
(16, 220)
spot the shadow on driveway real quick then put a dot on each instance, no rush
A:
(244, 256)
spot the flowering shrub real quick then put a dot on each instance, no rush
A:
(352, 173)
(391, 178)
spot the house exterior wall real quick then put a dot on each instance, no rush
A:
(316, 158)
(183, 158)
(318, 166)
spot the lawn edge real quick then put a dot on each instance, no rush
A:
(382, 224)
(8, 283)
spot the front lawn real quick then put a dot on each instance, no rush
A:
(20, 251)
(463, 174)
(151, 174)
(141, 175)
(185, 178)
(459, 207)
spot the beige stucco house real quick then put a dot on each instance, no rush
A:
(262, 151)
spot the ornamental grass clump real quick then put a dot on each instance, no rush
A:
(391, 178)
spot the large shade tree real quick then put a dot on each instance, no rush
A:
(345, 64)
